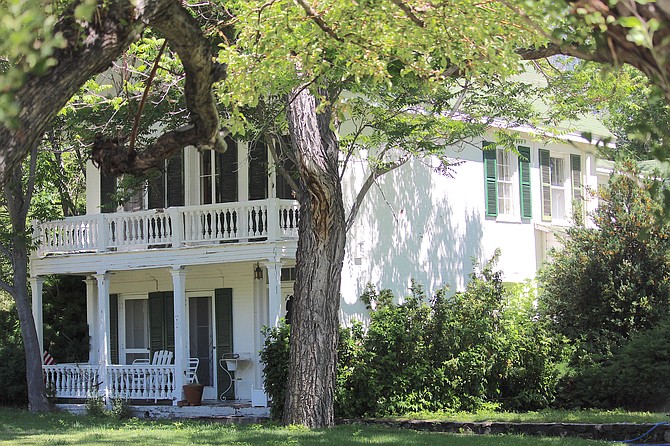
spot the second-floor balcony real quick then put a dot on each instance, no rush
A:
(253, 221)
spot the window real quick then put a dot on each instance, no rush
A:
(166, 188)
(137, 329)
(557, 188)
(505, 184)
(503, 170)
(554, 184)
(218, 175)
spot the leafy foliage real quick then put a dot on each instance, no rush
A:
(65, 335)
(633, 377)
(608, 292)
(611, 280)
(275, 357)
(480, 348)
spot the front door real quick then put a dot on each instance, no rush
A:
(201, 342)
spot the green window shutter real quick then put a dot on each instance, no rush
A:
(491, 179)
(258, 171)
(156, 191)
(226, 169)
(114, 328)
(161, 321)
(224, 333)
(284, 190)
(545, 178)
(107, 193)
(576, 176)
(524, 182)
(174, 178)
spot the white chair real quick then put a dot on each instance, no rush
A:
(147, 381)
(192, 371)
(161, 357)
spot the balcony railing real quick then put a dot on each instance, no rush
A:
(270, 220)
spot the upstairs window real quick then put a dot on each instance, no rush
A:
(507, 185)
(218, 175)
(166, 188)
(556, 190)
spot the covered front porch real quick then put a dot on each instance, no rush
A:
(211, 312)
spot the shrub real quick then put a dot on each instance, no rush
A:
(611, 280)
(634, 377)
(95, 407)
(608, 292)
(275, 358)
(481, 348)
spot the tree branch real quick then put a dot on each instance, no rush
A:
(363, 191)
(278, 165)
(314, 15)
(7, 288)
(90, 49)
(409, 12)
(185, 37)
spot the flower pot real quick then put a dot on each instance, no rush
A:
(193, 394)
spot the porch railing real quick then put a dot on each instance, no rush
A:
(72, 380)
(143, 381)
(271, 219)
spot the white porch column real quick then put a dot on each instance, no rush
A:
(102, 279)
(92, 320)
(274, 293)
(260, 319)
(104, 358)
(36, 284)
(181, 352)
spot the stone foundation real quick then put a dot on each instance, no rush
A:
(608, 432)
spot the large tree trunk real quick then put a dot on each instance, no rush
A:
(18, 202)
(316, 300)
(37, 401)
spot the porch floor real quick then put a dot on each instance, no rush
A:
(236, 411)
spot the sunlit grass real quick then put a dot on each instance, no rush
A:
(547, 416)
(18, 427)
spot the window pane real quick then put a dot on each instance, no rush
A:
(137, 333)
(556, 167)
(505, 186)
(206, 177)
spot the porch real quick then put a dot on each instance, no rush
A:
(183, 226)
(128, 382)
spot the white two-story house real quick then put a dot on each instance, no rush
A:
(204, 257)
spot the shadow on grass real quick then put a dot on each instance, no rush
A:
(19, 427)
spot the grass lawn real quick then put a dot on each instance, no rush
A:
(548, 416)
(18, 427)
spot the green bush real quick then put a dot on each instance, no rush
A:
(608, 293)
(12, 357)
(65, 334)
(481, 348)
(95, 407)
(275, 357)
(634, 377)
(611, 280)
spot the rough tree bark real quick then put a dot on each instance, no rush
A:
(316, 299)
